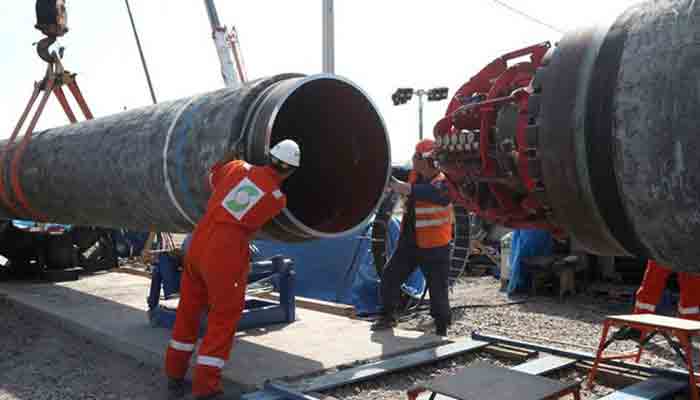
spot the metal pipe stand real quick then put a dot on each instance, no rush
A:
(257, 313)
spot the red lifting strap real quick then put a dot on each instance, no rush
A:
(52, 82)
(3, 154)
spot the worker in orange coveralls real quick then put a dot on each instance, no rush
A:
(244, 198)
(649, 295)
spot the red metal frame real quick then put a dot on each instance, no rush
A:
(56, 76)
(497, 84)
(684, 337)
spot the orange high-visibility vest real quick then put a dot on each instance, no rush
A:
(433, 221)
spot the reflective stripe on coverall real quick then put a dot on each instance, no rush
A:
(653, 285)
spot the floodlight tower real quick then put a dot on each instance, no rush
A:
(403, 95)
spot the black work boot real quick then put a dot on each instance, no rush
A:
(441, 328)
(176, 388)
(385, 322)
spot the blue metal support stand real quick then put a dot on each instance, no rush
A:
(257, 312)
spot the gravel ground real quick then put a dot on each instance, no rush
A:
(394, 386)
(573, 324)
(40, 361)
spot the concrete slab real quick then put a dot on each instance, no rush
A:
(110, 309)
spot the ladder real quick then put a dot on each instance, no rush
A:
(460, 251)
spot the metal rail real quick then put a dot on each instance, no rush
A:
(306, 389)
(581, 356)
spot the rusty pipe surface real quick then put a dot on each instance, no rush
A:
(146, 169)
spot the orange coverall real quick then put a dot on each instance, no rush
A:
(244, 198)
(650, 292)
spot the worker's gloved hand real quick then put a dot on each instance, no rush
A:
(399, 186)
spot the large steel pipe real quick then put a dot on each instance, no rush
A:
(618, 134)
(146, 169)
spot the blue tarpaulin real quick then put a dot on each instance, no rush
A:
(526, 243)
(340, 270)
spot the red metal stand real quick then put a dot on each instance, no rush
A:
(651, 324)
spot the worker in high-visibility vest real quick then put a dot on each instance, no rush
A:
(651, 290)
(244, 197)
(426, 232)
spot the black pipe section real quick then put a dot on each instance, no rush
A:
(146, 169)
(562, 139)
(618, 134)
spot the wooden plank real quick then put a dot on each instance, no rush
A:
(611, 376)
(528, 353)
(623, 369)
(390, 365)
(343, 310)
(658, 320)
(510, 353)
(545, 365)
(651, 389)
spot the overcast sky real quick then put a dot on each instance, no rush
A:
(380, 45)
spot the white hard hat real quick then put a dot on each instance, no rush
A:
(288, 152)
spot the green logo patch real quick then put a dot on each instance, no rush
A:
(242, 198)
